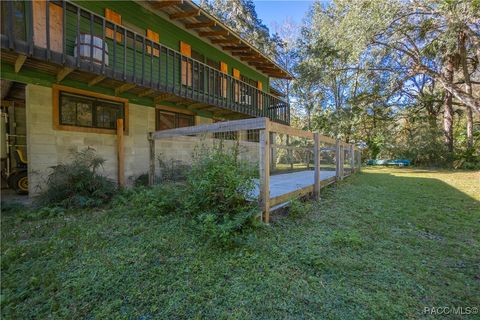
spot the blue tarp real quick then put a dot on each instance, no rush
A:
(397, 162)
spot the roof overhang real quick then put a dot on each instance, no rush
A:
(210, 28)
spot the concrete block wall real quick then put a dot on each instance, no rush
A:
(47, 147)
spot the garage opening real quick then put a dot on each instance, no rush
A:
(13, 135)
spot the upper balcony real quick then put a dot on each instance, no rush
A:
(66, 40)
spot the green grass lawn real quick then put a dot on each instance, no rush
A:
(382, 244)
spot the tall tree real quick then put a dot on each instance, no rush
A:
(240, 15)
(285, 38)
(448, 106)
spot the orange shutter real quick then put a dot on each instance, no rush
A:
(260, 96)
(236, 86)
(236, 74)
(223, 84)
(40, 25)
(155, 37)
(114, 17)
(223, 67)
(186, 50)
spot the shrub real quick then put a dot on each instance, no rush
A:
(172, 170)
(160, 199)
(218, 188)
(77, 184)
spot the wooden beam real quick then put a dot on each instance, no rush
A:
(257, 60)
(162, 97)
(146, 92)
(63, 73)
(217, 41)
(245, 124)
(186, 14)
(235, 47)
(281, 128)
(198, 25)
(96, 80)
(244, 54)
(124, 87)
(290, 196)
(19, 62)
(213, 33)
(120, 153)
(223, 112)
(165, 4)
(197, 106)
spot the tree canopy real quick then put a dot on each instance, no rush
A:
(399, 78)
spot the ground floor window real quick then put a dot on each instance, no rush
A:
(87, 111)
(171, 120)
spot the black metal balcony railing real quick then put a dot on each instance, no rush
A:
(81, 42)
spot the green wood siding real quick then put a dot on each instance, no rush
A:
(170, 35)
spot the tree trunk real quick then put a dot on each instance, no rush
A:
(448, 108)
(468, 88)
(453, 89)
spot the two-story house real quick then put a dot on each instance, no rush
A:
(70, 69)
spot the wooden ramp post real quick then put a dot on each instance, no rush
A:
(289, 153)
(359, 160)
(342, 160)
(264, 167)
(151, 167)
(337, 159)
(316, 153)
(120, 153)
(352, 157)
(273, 154)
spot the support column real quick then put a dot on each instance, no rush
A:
(264, 167)
(151, 168)
(316, 153)
(120, 153)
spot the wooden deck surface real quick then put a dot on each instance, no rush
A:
(284, 183)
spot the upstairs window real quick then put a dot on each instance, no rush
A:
(213, 81)
(248, 80)
(198, 70)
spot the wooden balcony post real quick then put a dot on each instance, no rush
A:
(264, 167)
(316, 153)
(151, 168)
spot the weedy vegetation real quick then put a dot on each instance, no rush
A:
(382, 244)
